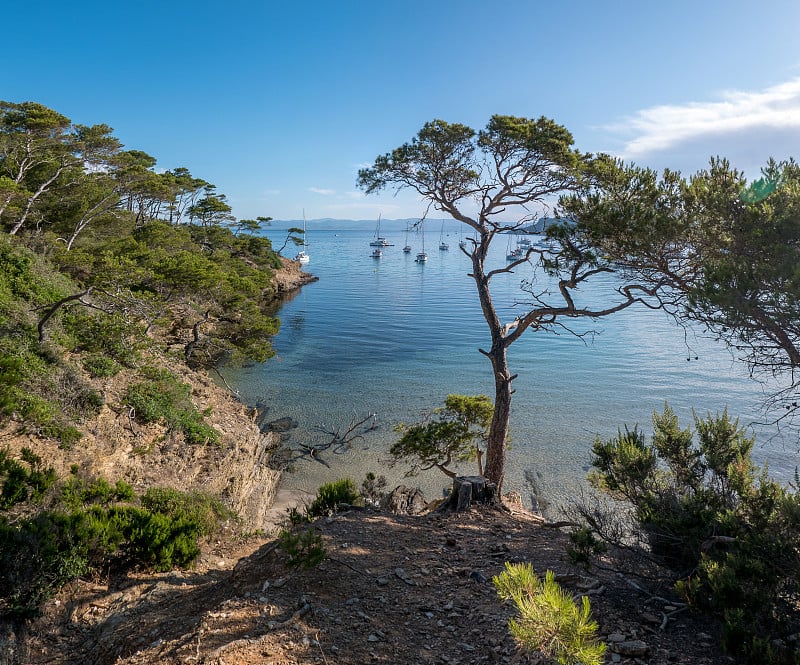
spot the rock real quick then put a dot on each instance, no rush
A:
(403, 575)
(633, 648)
(477, 577)
(280, 425)
(403, 500)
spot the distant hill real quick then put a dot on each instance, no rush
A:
(388, 225)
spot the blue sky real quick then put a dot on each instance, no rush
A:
(279, 103)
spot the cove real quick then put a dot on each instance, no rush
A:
(393, 337)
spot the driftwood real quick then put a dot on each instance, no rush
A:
(339, 441)
(469, 489)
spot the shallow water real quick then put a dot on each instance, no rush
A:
(394, 337)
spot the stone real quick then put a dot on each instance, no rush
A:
(403, 500)
(280, 425)
(633, 648)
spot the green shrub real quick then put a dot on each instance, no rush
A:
(549, 622)
(38, 556)
(21, 482)
(331, 495)
(584, 546)
(159, 541)
(100, 366)
(165, 399)
(97, 526)
(197, 507)
(373, 488)
(77, 493)
(111, 335)
(303, 549)
(704, 508)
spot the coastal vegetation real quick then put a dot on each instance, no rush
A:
(53, 531)
(550, 622)
(112, 274)
(454, 433)
(729, 534)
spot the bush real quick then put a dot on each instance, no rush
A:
(373, 489)
(705, 508)
(303, 549)
(38, 556)
(548, 621)
(97, 526)
(331, 495)
(77, 493)
(165, 399)
(100, 366)
(23, 482)
(198, 507)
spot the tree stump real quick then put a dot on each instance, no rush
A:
(469, 489)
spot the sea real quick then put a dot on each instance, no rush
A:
(385, 340)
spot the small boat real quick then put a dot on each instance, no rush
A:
(379, 240)
(407, 248)
(443, 246)
(422, 256)
(377, 253)
(524, 242)
(302, 255)
(514, 254)
(461, 242)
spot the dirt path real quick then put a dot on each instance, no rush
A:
(392, 590)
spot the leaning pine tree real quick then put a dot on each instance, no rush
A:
(514, 166)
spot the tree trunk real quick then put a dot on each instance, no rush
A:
(498, 430)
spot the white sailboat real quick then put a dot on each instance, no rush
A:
(302, 255)
(379, 240)
(443, 246)
(407, 248)
(422, 256)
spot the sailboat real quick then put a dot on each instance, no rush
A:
(407, 248)
(443, 246)
(379, 240)
(422, 256)
(462, 243)
(302, 255)
(514, 254)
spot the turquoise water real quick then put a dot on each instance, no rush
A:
(394, 337)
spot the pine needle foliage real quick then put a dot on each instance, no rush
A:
(549, 621)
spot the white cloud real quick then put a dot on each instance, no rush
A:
(737, 113)
(323, 192)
